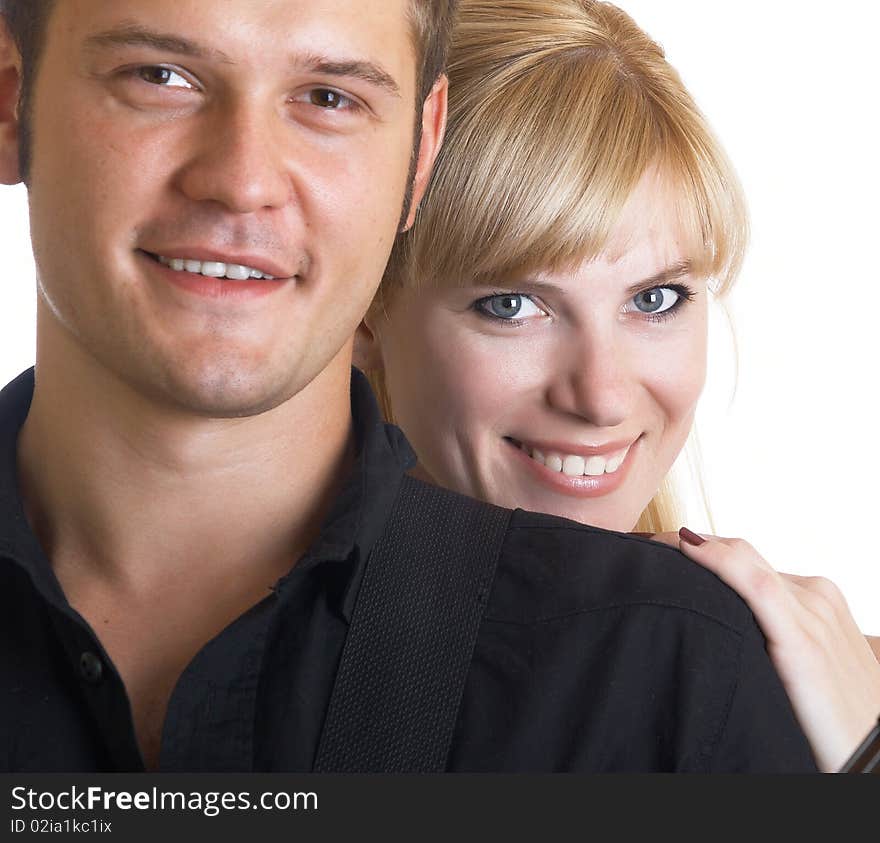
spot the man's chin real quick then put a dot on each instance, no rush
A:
(228, 381)
(226, 393)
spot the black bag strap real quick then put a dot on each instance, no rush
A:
(408, 651)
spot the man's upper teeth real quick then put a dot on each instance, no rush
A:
(215, 269)
(573, 465)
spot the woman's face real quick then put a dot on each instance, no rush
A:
(563, 392)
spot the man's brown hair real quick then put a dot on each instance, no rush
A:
(431, 22)
(26, 21)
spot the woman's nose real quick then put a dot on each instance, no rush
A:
(594, 381)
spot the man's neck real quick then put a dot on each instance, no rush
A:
(128, 493)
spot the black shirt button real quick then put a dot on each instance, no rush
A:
(90, 667)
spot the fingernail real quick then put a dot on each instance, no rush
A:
(691, 538)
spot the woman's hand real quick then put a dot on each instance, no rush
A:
(830, 671)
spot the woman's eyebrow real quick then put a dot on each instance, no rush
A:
(524, 285)
(531, 285)
(671, 273)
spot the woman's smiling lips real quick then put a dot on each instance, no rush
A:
(579, 471)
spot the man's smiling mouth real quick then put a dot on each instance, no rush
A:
(213, 269)
(209, 265)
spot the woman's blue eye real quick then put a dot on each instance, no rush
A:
(505, 307)
(509, 306)
(656, 300)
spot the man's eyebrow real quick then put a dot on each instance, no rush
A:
(368, 71)
(135, 35)
(671, 273)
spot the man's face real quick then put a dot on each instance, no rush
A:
(177, 141)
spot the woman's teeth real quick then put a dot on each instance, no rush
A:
(574, 466)
(214, 269)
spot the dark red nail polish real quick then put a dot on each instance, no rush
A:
(691, 538)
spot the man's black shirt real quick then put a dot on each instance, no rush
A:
(597, 652)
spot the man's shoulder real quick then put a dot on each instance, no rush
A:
(15, 401)
(552, 568)
(607, 651)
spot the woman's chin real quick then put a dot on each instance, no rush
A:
(603, 512)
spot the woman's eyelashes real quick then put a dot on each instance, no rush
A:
(656, 304)
(512, 308)
(660, 303)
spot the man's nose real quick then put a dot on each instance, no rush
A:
(594, 380)
(237, 161)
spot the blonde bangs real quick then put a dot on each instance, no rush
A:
(549, 190)
(708, 202)
(553, 120)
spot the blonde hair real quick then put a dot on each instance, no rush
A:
(557, 108)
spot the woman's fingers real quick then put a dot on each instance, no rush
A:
(823, 598)
(739, 565)
(826, 665)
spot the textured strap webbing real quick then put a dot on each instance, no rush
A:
(407, 653)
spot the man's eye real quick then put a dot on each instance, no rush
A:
(164, 76)
(508, 306)
(329, 99)
(656, 300)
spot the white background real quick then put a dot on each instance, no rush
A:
(791, 462)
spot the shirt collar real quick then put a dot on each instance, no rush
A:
(17, 541)
(364, 504)
(353, 526)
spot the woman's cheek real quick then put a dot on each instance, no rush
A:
(679, 371)
(501, 375)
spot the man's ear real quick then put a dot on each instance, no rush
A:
(433, 129)
(367, 349)
(10, 91)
